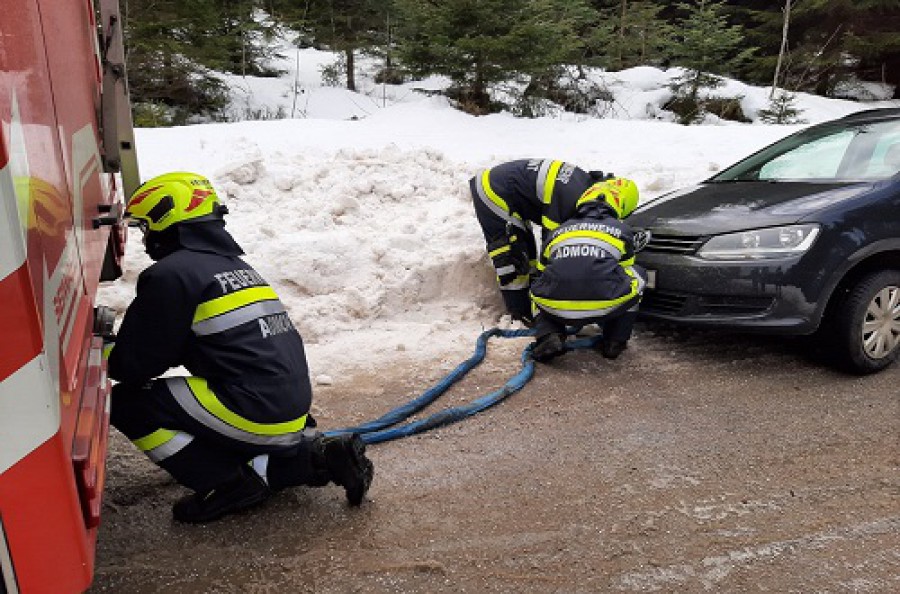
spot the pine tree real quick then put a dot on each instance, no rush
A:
(480, 43)
(782, 109)
(631, 33)
(173, 47)
(347, 26)
(830, 42)
(243, 39)
(875, 39)
(166, 47)
(709, 47)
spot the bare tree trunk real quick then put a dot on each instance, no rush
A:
(784, 36)
(296, 84)
(390, 40)
(241, 27)
(351, 69)
(622, 32)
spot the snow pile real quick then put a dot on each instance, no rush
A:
(369, 242)
(373, 253)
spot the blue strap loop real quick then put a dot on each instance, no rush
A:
(381, 429)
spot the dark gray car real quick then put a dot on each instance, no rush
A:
(801, 237)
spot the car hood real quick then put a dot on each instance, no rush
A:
(712, 208)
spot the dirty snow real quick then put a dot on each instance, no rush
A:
(357, 210)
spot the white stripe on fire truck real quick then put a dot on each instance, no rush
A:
(12, 251)
(29, 411)
(68, 265)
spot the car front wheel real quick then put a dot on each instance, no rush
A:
(867, 323)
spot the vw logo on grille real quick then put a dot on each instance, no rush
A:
(641, 239)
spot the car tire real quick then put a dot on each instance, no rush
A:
(867, 324)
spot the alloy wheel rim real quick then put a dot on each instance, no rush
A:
(881, 326)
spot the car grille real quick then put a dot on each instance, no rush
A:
(673, 303)
(731, 305)
(674, 244)
(663, 302)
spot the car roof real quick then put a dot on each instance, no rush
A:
(873, 114)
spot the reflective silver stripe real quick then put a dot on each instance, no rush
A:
(260, 465)
(482, 193)
(179, 388)
(235, 318)
(178, 442)
(546, 164)
(589, 241)
(509, 269)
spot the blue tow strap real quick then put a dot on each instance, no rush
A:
(382, 428)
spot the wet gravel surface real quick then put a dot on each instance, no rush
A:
(696, 462)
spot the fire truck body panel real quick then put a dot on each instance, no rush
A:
(55, 188)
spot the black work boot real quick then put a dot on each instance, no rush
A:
(548, 346)
(345, 456)
(612, 348)
(237, 495)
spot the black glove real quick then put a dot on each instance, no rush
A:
(510, 263)
(600, 176)
(518, 304)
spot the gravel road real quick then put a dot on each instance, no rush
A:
(696, 462)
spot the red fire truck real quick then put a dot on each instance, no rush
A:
(66, 159)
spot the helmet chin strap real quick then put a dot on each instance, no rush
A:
(159, 244)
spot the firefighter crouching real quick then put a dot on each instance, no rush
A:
(509, 200)
(236, 429)
(586, 272)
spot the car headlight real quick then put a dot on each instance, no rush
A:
(761, 244)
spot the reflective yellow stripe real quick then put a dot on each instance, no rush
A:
(551, 181)
(585, 305)
(628, 262)
(154, 440)
(232, 301)
(548, 224)
(211, 403)
(107, 350)
(618, 243)
(495, 198)
(520, 282)
(499, 251)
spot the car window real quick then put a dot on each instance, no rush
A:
(842, 150)
(886, 157)
(819, 159)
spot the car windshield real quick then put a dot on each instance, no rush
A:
(837, 152)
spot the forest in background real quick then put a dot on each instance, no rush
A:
(533, 50)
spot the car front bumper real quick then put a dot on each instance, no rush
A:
(772, 296)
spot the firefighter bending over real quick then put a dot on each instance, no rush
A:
(236, 429)
(512, 197)
(586, 272)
